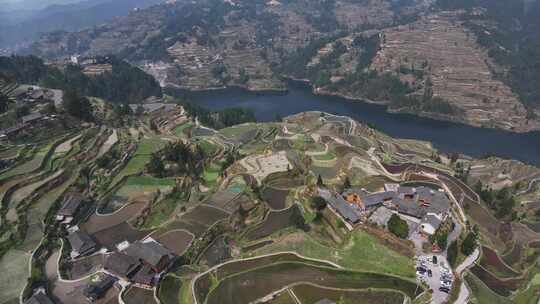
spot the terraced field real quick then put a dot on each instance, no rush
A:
(140, 158)
(360, 252)
(264, 280)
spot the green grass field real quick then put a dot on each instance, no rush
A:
(211, 173)
(360, 252)
(180, 130)
(141, 157)
(325, 157)
(14, 270)
(161, 211)
(169, 289)
(237, 130)
(208, 147)
(142, 185)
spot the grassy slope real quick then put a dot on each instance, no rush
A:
(481, 293)
(360, 252)
(136, 164)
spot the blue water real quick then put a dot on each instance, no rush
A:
(446, 136)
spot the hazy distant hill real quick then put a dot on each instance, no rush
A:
(14, 5)
(24, 25)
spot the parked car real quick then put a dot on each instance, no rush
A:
(429, 273)
(446, 283)
(434, 260)
(444, 289)
(421, 269)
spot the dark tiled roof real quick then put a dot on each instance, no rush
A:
(31, 117)
(39, 298)
(121, 265)
(341, 205)
(150, 252)
(96, 291)
(425, 201)
(406, 190)
(431, 219)
(81, 242)
(145, 275)
(71, 204)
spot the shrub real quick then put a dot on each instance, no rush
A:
(452, 253)
(469, 244)
(398, 226)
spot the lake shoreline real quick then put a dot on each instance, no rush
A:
(446, 136)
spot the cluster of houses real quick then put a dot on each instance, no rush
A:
(152, 107)
(140, 263)
(31, 95)
(30, 120)
(426, 206)
(26, 95)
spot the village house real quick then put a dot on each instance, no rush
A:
(81, 244)
(122, 265)
(39, 298)
(151, 253)
(150, 108)
(350, 212)
(70, 208)
(31, 118)
(96, 291)
(140, 263)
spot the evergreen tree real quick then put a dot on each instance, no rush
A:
(320, 182)
(155, 166)
(3, 103)
(469, 244)
(452, 254)
(77, 106)
(347, 183)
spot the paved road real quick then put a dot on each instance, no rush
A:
(468, 261)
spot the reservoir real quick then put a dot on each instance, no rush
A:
(445, 136)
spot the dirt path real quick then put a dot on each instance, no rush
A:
(111, 141)
(67, 145)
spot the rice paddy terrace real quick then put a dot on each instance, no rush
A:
(241, 222)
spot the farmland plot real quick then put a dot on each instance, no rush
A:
(275, 221)
(251, 285)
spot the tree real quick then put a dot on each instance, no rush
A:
(469, 244)
(346, 183)
(49, 109)
(320, 182)
(77, 106)
(244, 77)
(3, 103)
(139, 111)
(440, 238)
(398, 226)
(155, 166)
(318, 203)
(22, 111)
(452, 253)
